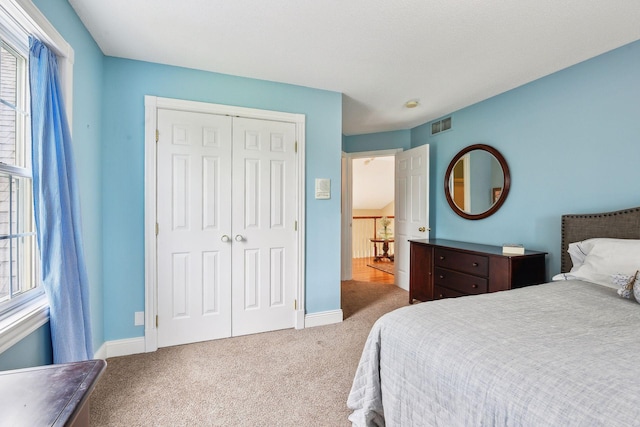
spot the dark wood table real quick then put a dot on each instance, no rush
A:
(385, 249)
(52, 395)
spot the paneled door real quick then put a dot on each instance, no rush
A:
(412, 206)
(264, 233)
(224, 251)
(194, 199)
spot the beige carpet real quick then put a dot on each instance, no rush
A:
(282, 378)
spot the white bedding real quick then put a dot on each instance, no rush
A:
(557, 354)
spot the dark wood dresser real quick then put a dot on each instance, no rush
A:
(448, 268)
(52, 395)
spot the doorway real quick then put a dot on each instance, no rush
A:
(411, 199)
(372, 219)
(368, 206)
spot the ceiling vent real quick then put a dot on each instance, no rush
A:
(441, 125)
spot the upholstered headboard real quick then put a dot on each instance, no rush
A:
(623, 224)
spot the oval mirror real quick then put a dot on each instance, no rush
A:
(477, 181)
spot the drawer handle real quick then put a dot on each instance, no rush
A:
(474, 286)
(440, 296)
(475, 264)
(441, 258)
(442, 276)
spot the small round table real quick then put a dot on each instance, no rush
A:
(385, 249)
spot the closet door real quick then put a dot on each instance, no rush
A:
(227, 247)
(264, 246)
(194, 216)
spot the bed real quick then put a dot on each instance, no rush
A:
(564, 353)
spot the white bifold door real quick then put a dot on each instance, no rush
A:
(226, 243)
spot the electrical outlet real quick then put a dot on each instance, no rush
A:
(139, 318)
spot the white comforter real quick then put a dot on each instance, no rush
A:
(557, 354)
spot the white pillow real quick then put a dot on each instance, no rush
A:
(606, 258)
(578, 251)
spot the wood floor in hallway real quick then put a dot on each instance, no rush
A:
(363, 273)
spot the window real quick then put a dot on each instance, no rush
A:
(23, 305)
(18, 251)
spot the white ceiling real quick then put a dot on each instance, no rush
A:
(373, 182)
(447, 54)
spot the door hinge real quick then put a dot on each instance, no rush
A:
(295, 304)
(157, 135)
(156, 320)
(295, 147)
(157, 228)
(295, 226)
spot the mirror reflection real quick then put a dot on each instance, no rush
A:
(477, 181)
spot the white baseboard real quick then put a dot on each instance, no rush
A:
(123, 347)
(323, 318)
(101, 353)
(137, 345)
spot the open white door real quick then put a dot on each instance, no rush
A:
(412, 206)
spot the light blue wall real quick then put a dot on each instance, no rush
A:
(86, 130)
(572, 142)
(126, 84)
(33, 350)
(377, 141)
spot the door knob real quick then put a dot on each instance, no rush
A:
(423, 229)
(225, 238)
(239, 238)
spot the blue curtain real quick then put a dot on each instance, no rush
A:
(57, 211)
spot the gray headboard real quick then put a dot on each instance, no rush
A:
(623, 224)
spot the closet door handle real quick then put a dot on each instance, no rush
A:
(225, 238)
(239, 238)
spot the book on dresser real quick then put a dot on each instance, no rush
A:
(442, 268)
(512, 249)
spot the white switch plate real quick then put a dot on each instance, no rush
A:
(323, 188)
(139, 318)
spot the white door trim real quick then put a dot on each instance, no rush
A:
(347, 205)
(346, 272)
(152, 104)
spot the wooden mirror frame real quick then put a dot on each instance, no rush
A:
(505, 188)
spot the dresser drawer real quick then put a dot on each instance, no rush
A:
(461, 261)
(443, 268)
(441, 293)
(465, 283)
